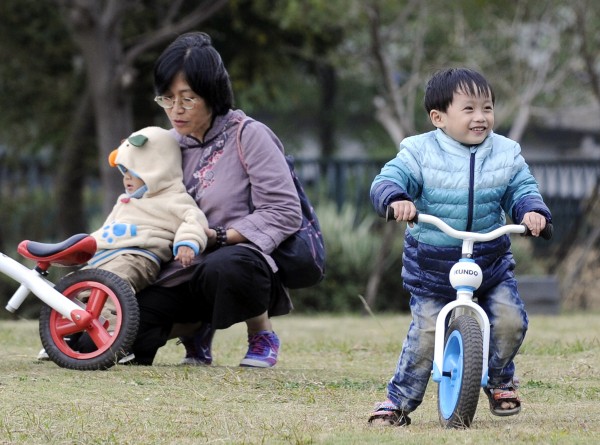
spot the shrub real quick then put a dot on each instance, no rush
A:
(352, 243)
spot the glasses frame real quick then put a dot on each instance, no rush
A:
(181, 101)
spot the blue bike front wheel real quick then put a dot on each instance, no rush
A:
(458, 391)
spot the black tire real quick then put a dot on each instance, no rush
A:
(116, 321)
(458, 391)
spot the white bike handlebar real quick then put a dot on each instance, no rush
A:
(509, 228)
(471, 236)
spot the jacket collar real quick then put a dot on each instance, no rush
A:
(454, 147)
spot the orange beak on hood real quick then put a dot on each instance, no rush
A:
(112, 157)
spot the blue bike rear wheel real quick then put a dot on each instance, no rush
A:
(458, 391)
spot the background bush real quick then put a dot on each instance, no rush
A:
(352, 240)
(352, 243)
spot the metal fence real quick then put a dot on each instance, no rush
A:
(565, 184)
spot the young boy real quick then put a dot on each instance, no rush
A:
(155, 219)
(470, 177)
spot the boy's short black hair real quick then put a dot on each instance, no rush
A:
(193, 55)
(440, 89)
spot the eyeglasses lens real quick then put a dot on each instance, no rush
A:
(187, 103)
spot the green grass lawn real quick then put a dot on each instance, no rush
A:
(332, 370)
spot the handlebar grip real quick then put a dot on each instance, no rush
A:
(546, 233)
(389, 216)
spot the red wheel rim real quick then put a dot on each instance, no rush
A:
(102, 330)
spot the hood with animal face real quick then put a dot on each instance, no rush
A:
(153, 155)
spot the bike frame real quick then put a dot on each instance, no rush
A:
(465, 277)
(32, 281)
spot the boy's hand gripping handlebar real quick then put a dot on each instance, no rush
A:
(511, 228)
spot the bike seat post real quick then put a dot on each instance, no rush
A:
(42, 268)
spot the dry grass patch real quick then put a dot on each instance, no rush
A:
(332, 370)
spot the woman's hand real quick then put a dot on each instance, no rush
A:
(185, 255)
(233, 237)
(211, 237)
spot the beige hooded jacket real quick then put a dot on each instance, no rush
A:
(165, 217)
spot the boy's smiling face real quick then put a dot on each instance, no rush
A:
(468, 120)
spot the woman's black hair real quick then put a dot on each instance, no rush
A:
(193, 55)
(440, 89)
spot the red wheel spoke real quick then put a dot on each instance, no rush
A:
(65, 327)
(96, 302)
(98, 334)
(98, 339)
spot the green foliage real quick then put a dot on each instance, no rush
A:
(352, 244)
(39, 76)
(352, 241)
(529, 262)
(34, 221)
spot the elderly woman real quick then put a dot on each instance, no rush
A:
(249, 200)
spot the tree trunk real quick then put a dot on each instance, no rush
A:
(326, 117)
(389, 233)
(98, 36)
(113, 123)
(579, 269)
(96, 28)
(71, 174)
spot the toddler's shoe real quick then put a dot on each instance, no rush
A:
(43, 355)
(127, 359)
(263, 348)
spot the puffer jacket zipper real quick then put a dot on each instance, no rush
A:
(471, 192)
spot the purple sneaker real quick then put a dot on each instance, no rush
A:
(197, 346)
(263, 348)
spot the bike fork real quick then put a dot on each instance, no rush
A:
(463, 304)
(32, 281)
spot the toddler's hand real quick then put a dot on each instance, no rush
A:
(185, 255)
(534, 222)
(404, 211)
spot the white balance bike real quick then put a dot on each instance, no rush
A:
(90, 318)
(462, 331)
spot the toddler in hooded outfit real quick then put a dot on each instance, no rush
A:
(155, 219)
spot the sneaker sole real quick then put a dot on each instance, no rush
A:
(193, 362)
(126, 359)
(43, 355)
(251, 363)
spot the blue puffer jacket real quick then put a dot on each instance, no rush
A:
(470, 188)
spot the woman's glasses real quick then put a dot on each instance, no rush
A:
(187, 103)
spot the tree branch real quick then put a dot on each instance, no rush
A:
(586, 53)
(166, 32)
